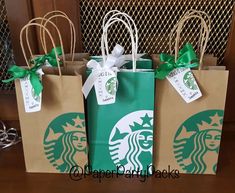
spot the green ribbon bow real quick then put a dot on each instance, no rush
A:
(19, 72)
(187, 59)
(50, 57)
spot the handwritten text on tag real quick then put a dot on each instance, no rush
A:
(106, 87)
(183, 81)
(32, 102)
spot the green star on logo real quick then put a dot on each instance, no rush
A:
(146, 120)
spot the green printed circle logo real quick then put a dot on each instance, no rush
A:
(189, 81)
(131, 140)
(65, 141)
(111, 85)
(197, 141)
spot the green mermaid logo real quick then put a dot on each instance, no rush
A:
(111, 85)
(65, 141)
(189, 81)
(197, 142)
(131, 141)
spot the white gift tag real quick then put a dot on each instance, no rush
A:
(32, 103)
(106, 87)
(183, 81)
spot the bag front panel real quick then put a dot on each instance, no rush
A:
(120, 134)
(188, 135)
(54, 139)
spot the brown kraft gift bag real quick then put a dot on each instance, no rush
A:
(188, 134)
(54, 138)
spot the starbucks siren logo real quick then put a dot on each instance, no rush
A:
(189, 81)
(111, 85)
(197, 141)
(65, 141)
(131, 140)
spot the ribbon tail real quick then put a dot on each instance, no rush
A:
(57, 50)
(52, 62)
(36, 84)
(40, 60)
(129, 56)
(121, 62)
(90, 81)
(165, 68)
(161, 74)
(8, 80)
(15, 72)
(166, 58)
(187, 57)
(51, 57)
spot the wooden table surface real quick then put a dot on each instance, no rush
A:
(14, 179)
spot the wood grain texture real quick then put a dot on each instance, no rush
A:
(14, 179)
(8, 107)
(229, 58)
(229, 62)
(18, 14)
(71, 8)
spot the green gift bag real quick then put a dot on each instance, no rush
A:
(121, 134)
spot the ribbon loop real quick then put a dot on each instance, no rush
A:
(187, 59)
(116, 58)
(50, 57)
(34, 76)
(118, 51)
(112, 63)
(90, 81)
(19, 72)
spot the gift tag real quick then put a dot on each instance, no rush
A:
(32, 102)
(183, 81)
(106, 87)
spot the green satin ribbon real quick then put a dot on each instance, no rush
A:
(19, 72)
(50, 57)
(187, 59)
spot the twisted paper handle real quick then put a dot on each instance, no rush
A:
(111, 21)
(24, 29)
(204, 32)
(128, 19)
(43, 43)
(55, 15)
